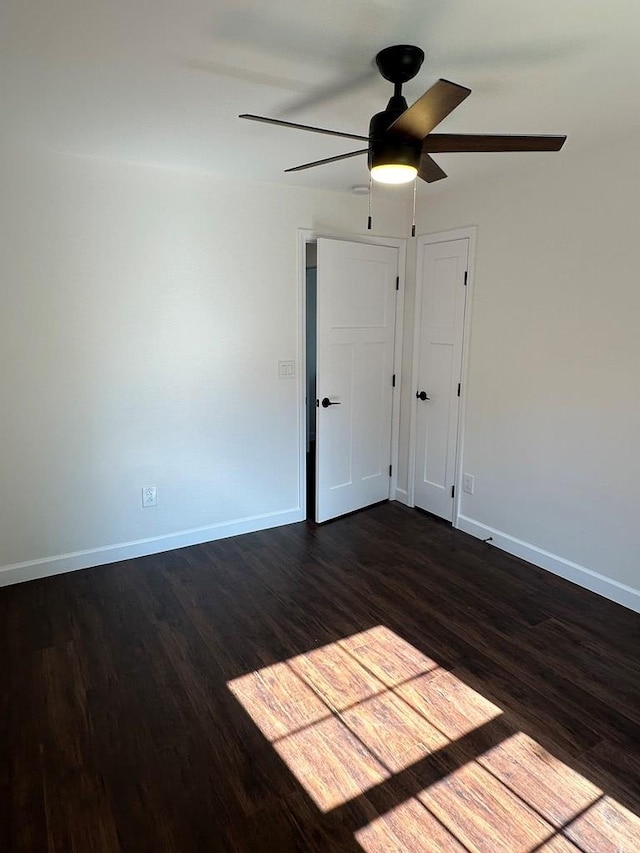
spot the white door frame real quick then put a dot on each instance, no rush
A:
(470, 233)
(309, 236)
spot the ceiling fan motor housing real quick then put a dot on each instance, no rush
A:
(386, 147)
(400, 62)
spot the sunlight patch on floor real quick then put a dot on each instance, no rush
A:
(411, 828)
(278, 701)
(515, 798)
(331, 763)
(346, 716)
(484, 814)
(372, 712)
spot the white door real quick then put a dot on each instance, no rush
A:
(439, 336)
(356, 328)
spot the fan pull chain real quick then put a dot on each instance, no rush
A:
(370, 191)
(413, 221)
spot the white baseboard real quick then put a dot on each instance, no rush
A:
(402, 496)
(19, 572)
(607, 587)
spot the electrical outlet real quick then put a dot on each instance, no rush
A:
(468, 483)
(149, 496)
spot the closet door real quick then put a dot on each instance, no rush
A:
(440, 333)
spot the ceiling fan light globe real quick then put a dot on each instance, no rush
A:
(394, 173)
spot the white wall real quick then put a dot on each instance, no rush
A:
(143, 313)
(143, 316)
(553, 410)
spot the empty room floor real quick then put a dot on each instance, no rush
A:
(381, 683)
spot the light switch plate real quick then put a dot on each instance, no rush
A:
(286, 369)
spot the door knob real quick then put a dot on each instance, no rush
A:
(422, 395)
(326, 402)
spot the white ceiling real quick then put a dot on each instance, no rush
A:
(162, 83)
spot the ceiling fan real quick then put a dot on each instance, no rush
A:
(400, 141)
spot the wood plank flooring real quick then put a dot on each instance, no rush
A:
(380, 683)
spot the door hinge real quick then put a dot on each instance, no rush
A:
(453, 491)
(393, 381)
(466, 273)
(390, 469)
(398, 282)
(458, 389)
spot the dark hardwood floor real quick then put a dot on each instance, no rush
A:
(380, 683)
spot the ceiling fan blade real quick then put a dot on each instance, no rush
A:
(429, 170)
(331, 92)
(303, 127)
(429, 110)
(210, 66)
(516, 55)
(327, 160)
(448, 142)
